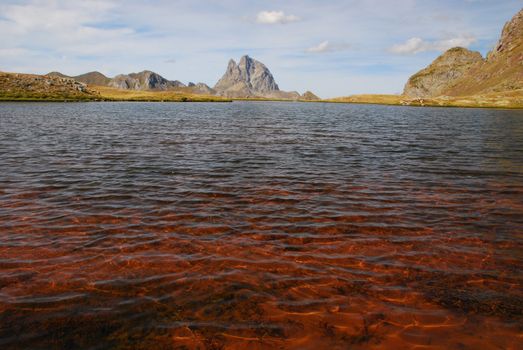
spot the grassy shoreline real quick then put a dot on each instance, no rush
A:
(206, 99)
(32, 88)
(501, 100)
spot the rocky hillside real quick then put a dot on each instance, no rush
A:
(143, 81)
(91, 78)
(460, 72)
(442, 73)
(15, 86)
(503, 68)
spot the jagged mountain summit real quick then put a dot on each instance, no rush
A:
(248, 78)
(251, 79)
(460, 72)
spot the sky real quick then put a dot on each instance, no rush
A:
(333, 48)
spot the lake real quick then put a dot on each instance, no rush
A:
(260, 225)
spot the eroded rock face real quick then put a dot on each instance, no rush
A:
(441, 74)
(248, 78)
(511, 38)
(145, 80)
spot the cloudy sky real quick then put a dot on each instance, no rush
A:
(333, 48)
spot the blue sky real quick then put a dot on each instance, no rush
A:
(333, 48)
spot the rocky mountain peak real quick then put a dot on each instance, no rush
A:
(457, 56)
(248, 78)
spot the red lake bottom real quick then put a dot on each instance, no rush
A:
(223, 233)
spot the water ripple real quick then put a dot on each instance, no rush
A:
(259, 225)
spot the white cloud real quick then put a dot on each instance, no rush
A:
(118, 36)
(326, 46)
(275, 17)
(417, 45)
(321, 47)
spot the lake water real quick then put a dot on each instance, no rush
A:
(260, 225)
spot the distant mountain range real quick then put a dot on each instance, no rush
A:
(143, 81)
(247, 79)
(458, 77)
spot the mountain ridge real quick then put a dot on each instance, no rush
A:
(246, 79)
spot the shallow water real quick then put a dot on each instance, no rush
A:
(260, 225)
